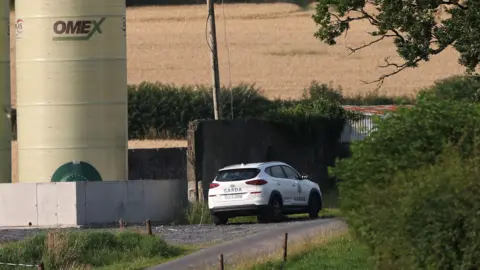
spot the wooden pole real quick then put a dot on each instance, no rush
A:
(285, 245)
(41, 266)
(214, 53)
(220, 261)
(149, 227)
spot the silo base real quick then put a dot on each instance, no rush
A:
(72, 204)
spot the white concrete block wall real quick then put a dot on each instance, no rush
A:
(90, 203)
(18, 204)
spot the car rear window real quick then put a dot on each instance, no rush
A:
(236, 174)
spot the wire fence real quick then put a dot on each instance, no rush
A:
(39, 266)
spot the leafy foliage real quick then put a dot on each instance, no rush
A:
(433, 216)
(324, 91)
(463, 88)
(162, 110)
(157, 110)
(416, 27)
(404, 188)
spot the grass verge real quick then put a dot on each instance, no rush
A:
(337, 252)
(84, 250)
(198, 213)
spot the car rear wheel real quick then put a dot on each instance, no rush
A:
(274, 211)
(219, 220)
(314, 205)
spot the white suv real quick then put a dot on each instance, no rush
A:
(267, 190)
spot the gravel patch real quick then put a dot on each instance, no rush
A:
(10, 235)
(178, 234)
(198, 234)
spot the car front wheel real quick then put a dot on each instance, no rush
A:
(314, 205)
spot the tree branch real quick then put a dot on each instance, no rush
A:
(354, 50)
(400, 67)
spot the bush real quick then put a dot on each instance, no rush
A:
(196, 213)
(324, 91)
(157, 110)
(461, 88)
(431, 220)
(63, 250)
(393, 192)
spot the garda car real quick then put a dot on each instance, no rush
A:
(267, 190)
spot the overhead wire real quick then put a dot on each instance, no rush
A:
(228, 59)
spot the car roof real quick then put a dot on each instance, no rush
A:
(258, 165)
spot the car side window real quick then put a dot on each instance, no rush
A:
(291, 174)
(275, 171)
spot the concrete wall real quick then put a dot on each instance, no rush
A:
(215, 144)
(91, 203)
(157, 164)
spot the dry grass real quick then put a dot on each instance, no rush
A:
(294, 248)
(270, 44)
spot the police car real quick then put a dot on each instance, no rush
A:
(268, 190)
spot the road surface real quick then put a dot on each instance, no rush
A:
(254, 244)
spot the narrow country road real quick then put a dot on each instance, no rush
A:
(251, 245)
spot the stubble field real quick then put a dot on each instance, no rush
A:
(271, 45)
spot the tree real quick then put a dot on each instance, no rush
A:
(415, 26)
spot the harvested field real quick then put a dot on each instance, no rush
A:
(271, 45)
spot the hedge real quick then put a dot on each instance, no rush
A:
(160, 111)
(409, 191)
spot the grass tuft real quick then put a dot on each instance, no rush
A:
(78, 250)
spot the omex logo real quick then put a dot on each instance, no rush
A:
(76, 30)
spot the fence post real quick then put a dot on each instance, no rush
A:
(149, 227)
(220, 261)
(285, 245)
(40, 266)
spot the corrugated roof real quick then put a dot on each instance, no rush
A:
(378, 109)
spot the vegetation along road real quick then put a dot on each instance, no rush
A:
(250, 246)
(173, 234)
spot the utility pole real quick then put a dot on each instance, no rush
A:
(213, 50)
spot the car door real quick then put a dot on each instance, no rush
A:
(283, 185)
(298, 188)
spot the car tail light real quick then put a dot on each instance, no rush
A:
(257, 182)
(214, 185)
